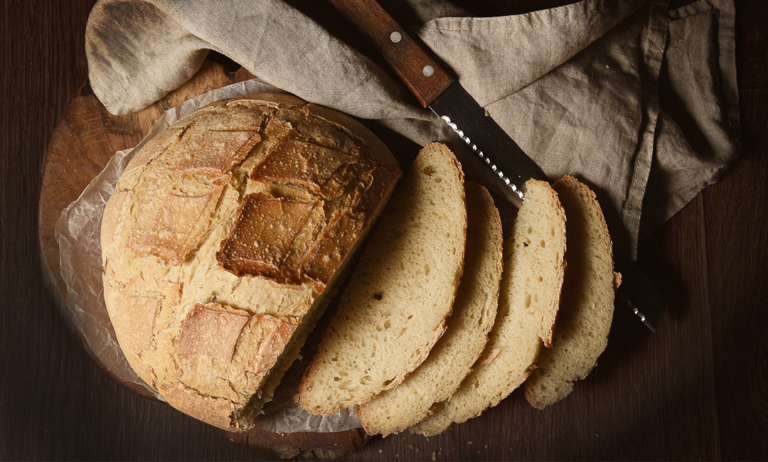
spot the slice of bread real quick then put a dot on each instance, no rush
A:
(474, 313)
(530, 295)
(394, 308)
(586, 311)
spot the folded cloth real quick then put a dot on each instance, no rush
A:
(637, 100)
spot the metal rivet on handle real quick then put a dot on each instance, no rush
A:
(395, 37)
(429, 70)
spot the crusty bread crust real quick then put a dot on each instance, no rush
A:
(279, 98)
(378, 149)
(206, 338)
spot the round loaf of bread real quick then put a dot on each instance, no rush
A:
(223, 240)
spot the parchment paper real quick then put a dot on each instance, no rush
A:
(78, 234)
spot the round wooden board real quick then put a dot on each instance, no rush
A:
(84, 140)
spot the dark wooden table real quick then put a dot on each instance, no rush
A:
(705, 371)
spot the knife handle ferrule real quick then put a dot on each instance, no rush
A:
(416, 68)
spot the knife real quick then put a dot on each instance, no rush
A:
(435, 89)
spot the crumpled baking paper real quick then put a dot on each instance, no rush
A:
(78, 234)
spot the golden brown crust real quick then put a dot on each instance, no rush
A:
(279, 98)
(272, 335)
(215, 411)
(136, 334)
(302, 162)
(207, 335)
(378, 148)
(330, 249)
(265, 229)
(110, 221)
(261, 342)
(211, 329)
(175, 226)
(153, 148)
(367, 199)
(334, 169)
(218, 153)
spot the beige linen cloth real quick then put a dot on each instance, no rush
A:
(638, 100)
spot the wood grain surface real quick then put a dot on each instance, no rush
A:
(407, 59)
(695, 390)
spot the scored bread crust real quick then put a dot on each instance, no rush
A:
(474, 312)
(528, 303)
(586, 311)
(394, 308)
(211, 337)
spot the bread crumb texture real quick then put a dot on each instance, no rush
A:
(394, 308)
(223, 235)
(530, 293)
(474, 312)
(586, 311)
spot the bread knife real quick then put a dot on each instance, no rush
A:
(436, 90)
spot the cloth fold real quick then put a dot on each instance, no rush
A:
(638, 101)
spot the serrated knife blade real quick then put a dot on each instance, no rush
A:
(486, 139)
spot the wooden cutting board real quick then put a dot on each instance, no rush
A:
(85, 138)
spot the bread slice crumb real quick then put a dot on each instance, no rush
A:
(474, 312)
(534, 266)
(586, 310)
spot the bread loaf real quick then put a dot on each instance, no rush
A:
(474, 313)
(394, 307)
(530, 294)
(586, 310)
(223, 240)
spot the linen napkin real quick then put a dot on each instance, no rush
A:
(638, 100)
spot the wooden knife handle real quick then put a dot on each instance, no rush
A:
(415, 67)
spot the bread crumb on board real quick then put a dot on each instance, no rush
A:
(434, 457)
